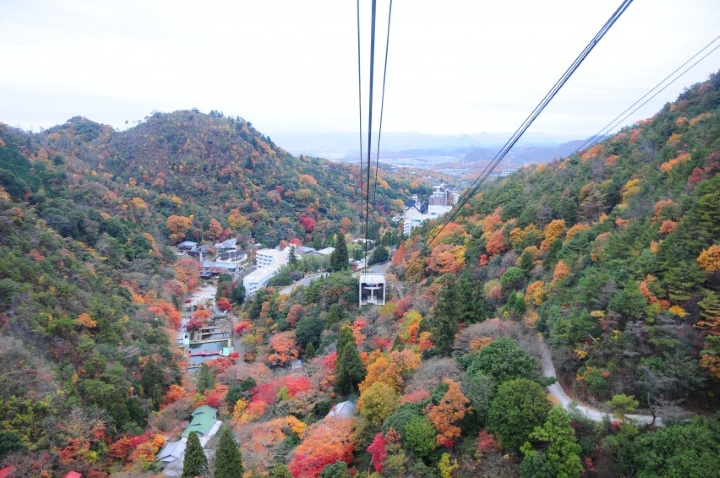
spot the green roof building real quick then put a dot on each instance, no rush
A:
(203, 419)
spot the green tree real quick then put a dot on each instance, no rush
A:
(503, 360)
(334, 316)
(339, 257)
(380, 254)
(692, 450)
(345, 337)
(620, 405)
(447, 315)
(195, 462)
(228, 459)
(205, 379)
(350, 369)
(518, 407)
(309, 330)
(238, 293)
(339, 469)
(310, 351)
(152, 381)
(420, 435)
(559, 456)
(280, 471)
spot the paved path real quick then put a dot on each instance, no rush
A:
(558, 392)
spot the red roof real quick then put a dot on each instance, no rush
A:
(72, 474)
(7, 471)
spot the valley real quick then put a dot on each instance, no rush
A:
(182, 297)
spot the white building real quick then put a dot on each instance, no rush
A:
(268, 257)
(413, 217)
(259, 278)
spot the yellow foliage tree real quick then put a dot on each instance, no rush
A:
(552, 232)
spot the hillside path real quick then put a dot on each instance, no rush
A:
(558, 392)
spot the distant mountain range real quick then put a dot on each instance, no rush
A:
(428, 151)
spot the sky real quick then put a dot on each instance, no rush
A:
(454, 67)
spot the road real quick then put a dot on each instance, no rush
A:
(305, 281)
(593, 414)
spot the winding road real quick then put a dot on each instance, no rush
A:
(593, 414)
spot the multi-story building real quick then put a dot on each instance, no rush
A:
(259, 278)
(268, 257)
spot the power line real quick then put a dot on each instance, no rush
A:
(382, 102)
(529, 120)
(360, 100)
(618, 120)
(369, 139)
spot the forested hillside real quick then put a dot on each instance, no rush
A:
(610, 256)
(90, 287)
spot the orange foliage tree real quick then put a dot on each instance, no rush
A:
(187, 271)
(451, 409)
(178, 227)
(166, 311)
(325, 443)
(709, 259)
(282, 349)
(492, 222)
(495, 243)
(446, 259)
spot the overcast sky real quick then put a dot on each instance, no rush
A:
(456, 66)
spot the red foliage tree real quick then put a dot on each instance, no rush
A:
(223, 304)
(307, 223)
(378, 452)
(325, 443)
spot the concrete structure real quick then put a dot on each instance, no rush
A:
(259, 278)
(372, 289)
(268, 257)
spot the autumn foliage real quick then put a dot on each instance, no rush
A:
(324, 443)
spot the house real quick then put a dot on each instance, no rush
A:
(199, 251)
(305, 251)
(326, 252)
(226, 245)
(187, 246)
(173, 450)
(233, 257)
(203, 420)
(205, 424)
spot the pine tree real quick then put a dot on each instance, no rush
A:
(205, 379)
(350, 369)
(195, 462)
(448, 310)
(228, 459)
(339, 257)
(152, 382)
(345, 337)
(310, 351)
